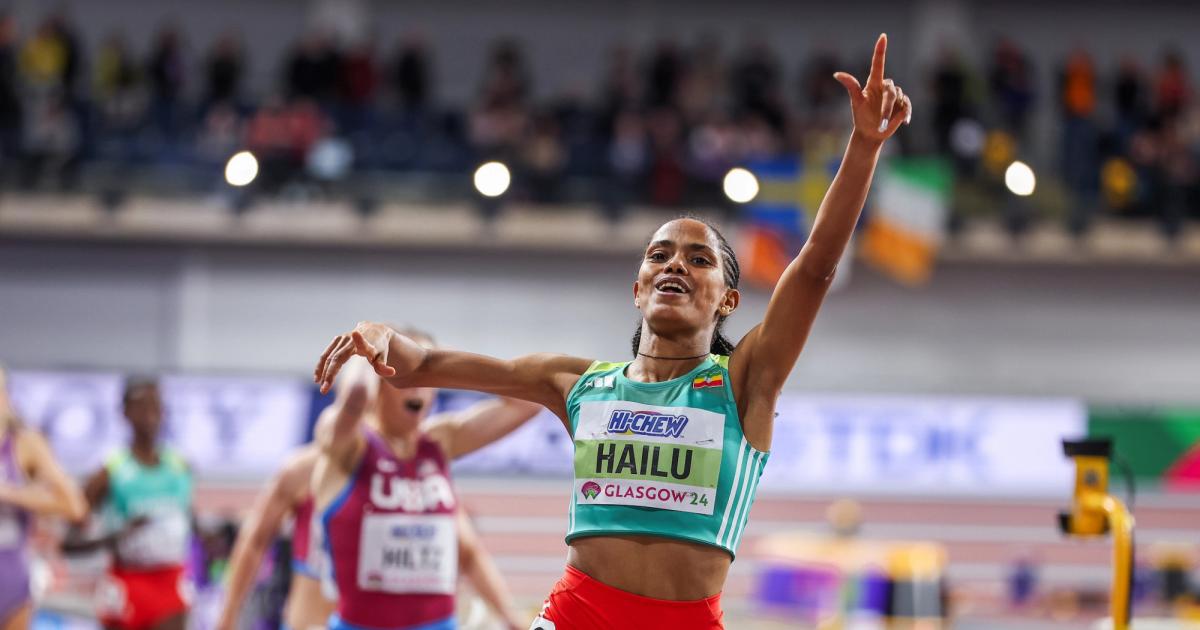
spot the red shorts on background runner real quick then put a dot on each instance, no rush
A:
(579, 602)
(139, 600)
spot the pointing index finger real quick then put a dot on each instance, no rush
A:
(876, 77)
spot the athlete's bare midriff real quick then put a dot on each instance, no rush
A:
(652, 566)
(307, 608)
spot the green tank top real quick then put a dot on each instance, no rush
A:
(162, 495)
(661, 459)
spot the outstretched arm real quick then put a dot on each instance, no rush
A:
(52, 491)
(766, 356)
(544, 379)
(480, 424)
(260, 529)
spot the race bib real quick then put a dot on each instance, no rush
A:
(408, 553)
(162, 540)
(667, 458)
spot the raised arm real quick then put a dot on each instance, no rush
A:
(544, 379)
(337, 433)
(52, 491)
(480, 424)
(259, 531)
(766, 355)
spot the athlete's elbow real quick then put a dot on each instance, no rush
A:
(816, 267)
(468, 557)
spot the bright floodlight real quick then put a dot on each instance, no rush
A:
(1020, 179)
(740, 185)
(241, 169)
(492, 179)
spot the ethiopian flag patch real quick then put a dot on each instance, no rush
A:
(712, 379)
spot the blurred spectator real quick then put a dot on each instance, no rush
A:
(411, 78)
(498, 121)
(664, 73)
(1181, 174)
(312, 68)
(359, 76)
(821, 96)
(10, 100)
(223, 72)
(1171, 90)
(117, 92)
(1080, 148)
(544, 158)
(628, 157)
(358, 79)
(1129, 100)
(667, 181)
(757, 139)
(703, 81)
(950, 97)
(496, 129)
(755, 84)
(52, 143)
(505, 82)
(165, 70)
(620, 90)
(44, 59)
(220, 133)
(281, 134)
(72, 53)
(1011, 84)
(712, 149)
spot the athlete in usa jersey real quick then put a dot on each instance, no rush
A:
(389, 510)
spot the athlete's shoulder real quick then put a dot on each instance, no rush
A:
(601, 367)
(175, 460)
(116, 459)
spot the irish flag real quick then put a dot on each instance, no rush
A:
(908, 217)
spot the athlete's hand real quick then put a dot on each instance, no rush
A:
(367, 340)
(880, 107)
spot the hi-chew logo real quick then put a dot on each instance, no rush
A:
(650, 423)
(590, 490)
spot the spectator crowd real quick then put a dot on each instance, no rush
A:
(661, 126)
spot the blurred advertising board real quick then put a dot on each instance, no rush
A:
(917, 445)
(1161, 445)
(243, 427)
(923, 445)
(226, 427)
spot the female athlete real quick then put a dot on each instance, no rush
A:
(396, 537)
(669, 446)
(31, 482)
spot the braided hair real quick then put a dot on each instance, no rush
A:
(729, 264)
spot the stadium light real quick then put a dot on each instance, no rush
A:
(1020, 179)
(492, 179)
(241, 169)
(741, 186)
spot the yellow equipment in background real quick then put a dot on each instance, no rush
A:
(1094, 512)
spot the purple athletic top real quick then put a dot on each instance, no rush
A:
(14, 527)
